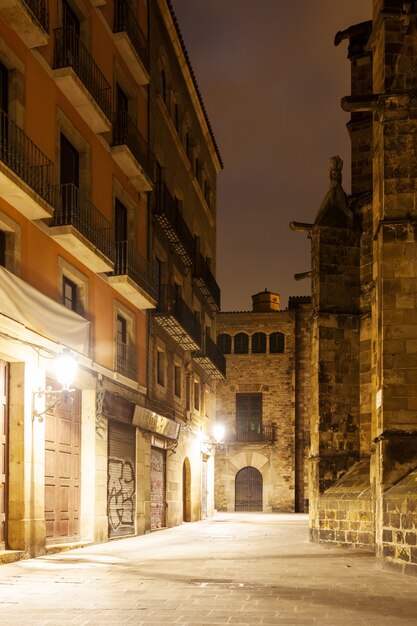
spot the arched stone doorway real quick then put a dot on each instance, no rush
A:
(186, 491)
(248, 490)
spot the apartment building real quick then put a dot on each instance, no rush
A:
(184, 362)
(77, 271)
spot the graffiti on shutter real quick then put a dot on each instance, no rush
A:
(121, 482)
(158, 472)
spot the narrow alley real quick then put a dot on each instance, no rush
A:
(239, 569)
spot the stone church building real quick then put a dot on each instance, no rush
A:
(263, 406)
(363, 457)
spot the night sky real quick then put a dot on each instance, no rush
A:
(272, 81)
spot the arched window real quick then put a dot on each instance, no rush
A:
(224, 343)
(276, 343)
(241, 343)
(258, 343)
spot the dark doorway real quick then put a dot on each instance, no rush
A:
(69, 177)
(248, 490)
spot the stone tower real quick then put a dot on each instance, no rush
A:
(363, 469)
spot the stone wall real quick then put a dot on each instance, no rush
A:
(399, 533)
(285, 394)
(345, 510)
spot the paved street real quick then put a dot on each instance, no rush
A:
(233, 569)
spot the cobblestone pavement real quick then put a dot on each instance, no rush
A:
(233, 569)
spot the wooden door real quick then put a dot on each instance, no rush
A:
(3, 453)
(62, 470)
(248, 490)
(158, 489)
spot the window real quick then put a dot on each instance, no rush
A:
(188, 144)
(160, 368)
(73, 287)
(177, 380)
(4, 91)
(69, 19)
(241, 343)
(177, 118)
(120, 237)
(196, 395)
(69, 293)
(188, 392)
(207, 192)
(259, 343)
(158, 279)
(2, 248)
(224, 343)
(69, 175)
(276, 343)
(125, 346)
(121, 344)
(248, 416)
(163, 85)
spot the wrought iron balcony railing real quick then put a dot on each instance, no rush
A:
(130, 263)
(73, 208)
(215, 356)
(126, 133)
(24, 157)
(125, 21)
(168, 216)
(126, 360)
(171, 305)
(206, 281)
(211, 359)
(69, 51)
(40, 12)
(252, 433)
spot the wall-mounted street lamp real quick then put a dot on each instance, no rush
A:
(219, 432)
(65, 367)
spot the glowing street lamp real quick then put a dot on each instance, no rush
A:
(219, 432)
(65, 367)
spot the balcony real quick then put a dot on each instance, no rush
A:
(82, 229)
(81, 81)
(131, 42)
(29, 19)
(211, 360)
(133, 277)
(169, 218)
(131, 151)
(252, 433)
(126, 360)
(177, 319)
(26, 174)
(206, 282)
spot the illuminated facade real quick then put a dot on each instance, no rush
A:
(184, 363)
(77, 270)
(263, 406)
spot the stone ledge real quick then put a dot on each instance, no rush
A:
(64, 547)
(10, 556)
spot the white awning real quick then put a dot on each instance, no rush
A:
(23, 303)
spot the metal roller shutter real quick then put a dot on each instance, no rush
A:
(158, 488)
(121, 482)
